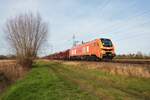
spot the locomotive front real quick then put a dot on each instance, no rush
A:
(107, 48)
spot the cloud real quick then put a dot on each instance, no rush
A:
(88, 20)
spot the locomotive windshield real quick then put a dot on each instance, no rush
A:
(106, 42)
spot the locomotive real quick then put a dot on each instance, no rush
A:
(97, 49)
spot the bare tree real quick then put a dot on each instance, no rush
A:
(26, 34)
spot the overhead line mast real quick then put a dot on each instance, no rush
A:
(74, 43)
(74, 40)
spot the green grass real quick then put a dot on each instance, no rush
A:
(105, 85)
(56, 81)
(42, 83)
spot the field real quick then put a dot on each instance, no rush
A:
(58, 80)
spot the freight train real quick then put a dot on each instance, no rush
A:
(97, 49)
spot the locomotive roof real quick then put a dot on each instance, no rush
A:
(89, 42)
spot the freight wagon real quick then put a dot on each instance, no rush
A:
(59, 56)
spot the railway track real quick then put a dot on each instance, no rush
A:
(125, 61)
(146, 62)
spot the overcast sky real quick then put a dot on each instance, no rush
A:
(126, 22)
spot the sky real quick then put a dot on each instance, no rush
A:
(125, 22)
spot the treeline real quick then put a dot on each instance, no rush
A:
(7, 57)
(3, 57)
(138, 55)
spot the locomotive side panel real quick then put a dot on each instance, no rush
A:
(98, 48)
(85, 50)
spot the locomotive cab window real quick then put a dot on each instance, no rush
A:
(106, 42)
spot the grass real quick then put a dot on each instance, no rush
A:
(57, 81)
(105, 85)
(11, 70)
(42, 83)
